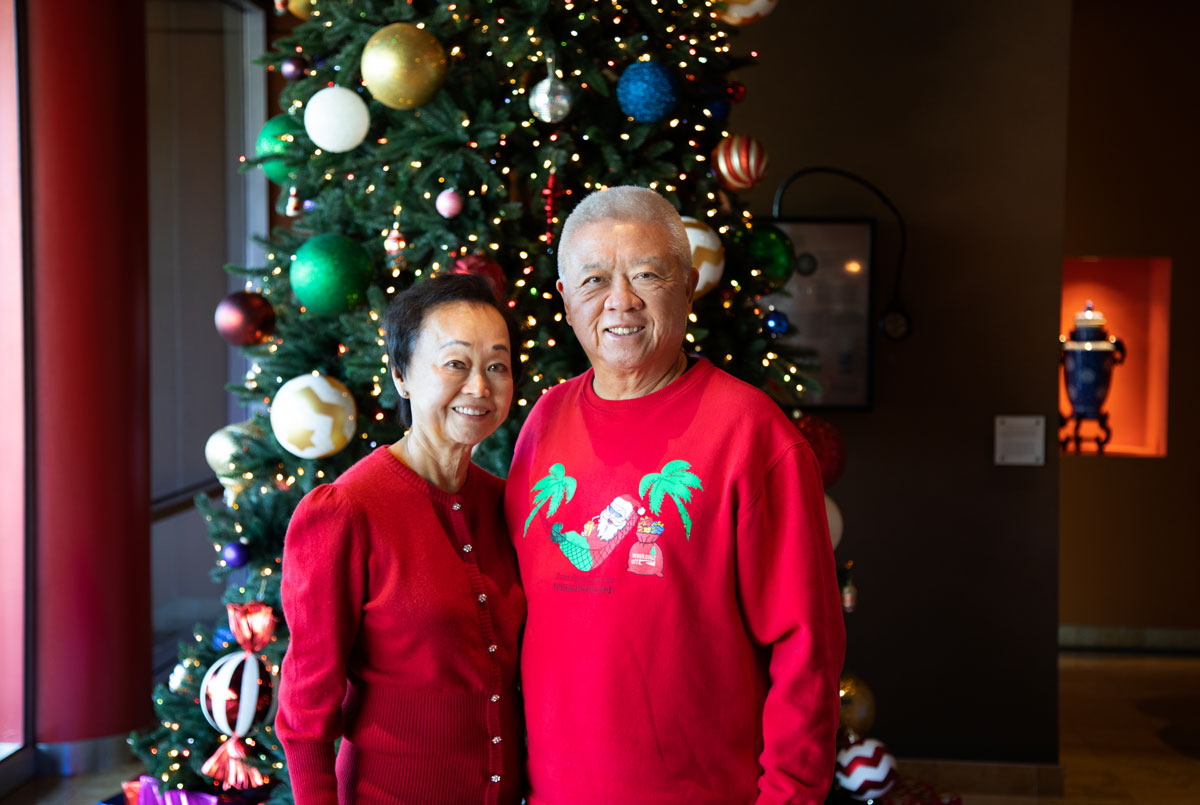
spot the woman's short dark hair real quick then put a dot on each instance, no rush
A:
(407, 312)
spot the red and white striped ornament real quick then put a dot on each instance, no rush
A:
(237, 693)
(293, 203)
(394, 243)
(866, 769)
(739, 162)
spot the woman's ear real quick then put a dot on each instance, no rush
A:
(399, 381)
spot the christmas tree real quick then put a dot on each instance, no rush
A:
(418, 137)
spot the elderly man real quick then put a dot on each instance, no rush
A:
(685, 636)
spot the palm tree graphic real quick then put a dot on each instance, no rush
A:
(553, 489)
(676, 481)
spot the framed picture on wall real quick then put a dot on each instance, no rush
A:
(827, 301)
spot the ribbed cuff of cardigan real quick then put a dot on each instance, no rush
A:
(311, 770)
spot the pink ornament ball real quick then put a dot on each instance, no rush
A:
(449, 203)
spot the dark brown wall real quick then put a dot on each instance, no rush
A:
(1129, 547)
(958, 112)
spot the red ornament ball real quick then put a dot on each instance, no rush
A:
(739, 162)
(244, 318)
(828, 445)
(484, 267)
(736, 91)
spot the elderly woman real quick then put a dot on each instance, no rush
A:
(400, 587)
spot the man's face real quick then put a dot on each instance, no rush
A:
(626, 296)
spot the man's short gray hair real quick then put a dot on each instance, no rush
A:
(627, 203)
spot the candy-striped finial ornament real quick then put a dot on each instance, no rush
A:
(739, 162)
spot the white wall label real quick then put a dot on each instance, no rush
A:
(1021, 440)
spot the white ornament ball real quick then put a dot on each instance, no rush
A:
(708, 254)
(866, 770)
(313, 416)
(744, 12)
(337, 119)
(178, 678)
(834, 515)
(448, 203)
(550, 100)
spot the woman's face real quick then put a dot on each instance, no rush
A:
(459, 378)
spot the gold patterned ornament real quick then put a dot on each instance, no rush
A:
(744, 12)
(223, 450)
(301, 8)
(403, 66)
(858, 707)
(708, 254)
(313, 416)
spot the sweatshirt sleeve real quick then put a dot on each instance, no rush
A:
(324, 579)
(788, 590)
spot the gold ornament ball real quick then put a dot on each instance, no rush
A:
(403, 65)
(301, 8)
(858, 706)
(224, 447)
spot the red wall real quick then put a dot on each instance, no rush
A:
(12, 396)
(87, 124)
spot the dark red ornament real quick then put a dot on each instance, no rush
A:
(484, 267)
(293, 68)
(244, 318)
(828, 445)
(736, 91)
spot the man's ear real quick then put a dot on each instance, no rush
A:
(558, 284)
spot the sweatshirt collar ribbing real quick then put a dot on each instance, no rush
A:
(693, 375)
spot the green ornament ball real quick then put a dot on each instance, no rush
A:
(275, 140)
(770, 251)
(330, 273)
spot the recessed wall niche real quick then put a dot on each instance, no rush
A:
(1134, 295)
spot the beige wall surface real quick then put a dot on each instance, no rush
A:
(958, 112)
(1129, 547)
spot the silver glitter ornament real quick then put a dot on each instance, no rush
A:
(550, 100)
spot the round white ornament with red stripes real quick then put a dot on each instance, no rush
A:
(236, 693)
(739, 162)
(866, 769)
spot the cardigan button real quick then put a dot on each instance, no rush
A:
(496, 740)
(482, 598)
(495, 778)
(495, 697)
(467, 549)
(492, 648)
(456, 506)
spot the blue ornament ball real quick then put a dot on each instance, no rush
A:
(776, 323)
(646, 91)
(719, 109)
(235, 554)
(223, 638)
